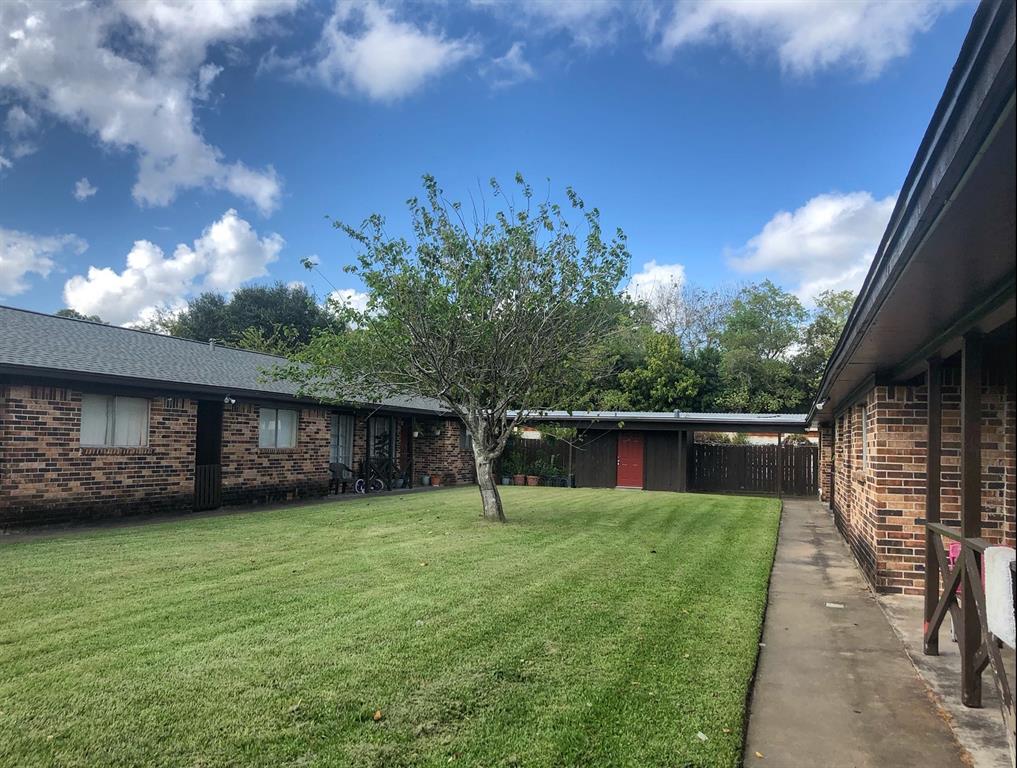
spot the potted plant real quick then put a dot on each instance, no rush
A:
(435, 479)
(533, 475)
(508, 468)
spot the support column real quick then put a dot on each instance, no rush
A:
(970, 635)
(933, 478)
(780, 465)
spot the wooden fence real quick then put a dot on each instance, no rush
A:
(754, 469)
(535, 453)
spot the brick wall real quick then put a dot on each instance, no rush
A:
(826, 449)
(441, 455)
(879, 504)
(253, 475)
(47, 477)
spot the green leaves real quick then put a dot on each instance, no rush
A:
(485, 310)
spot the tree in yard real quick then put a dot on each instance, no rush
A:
(486, 315)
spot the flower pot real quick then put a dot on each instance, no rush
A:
(519, 479)
(435, 479)
(532, 479)
(425, 479)
(506, 480)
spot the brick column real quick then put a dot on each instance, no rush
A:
(826, 448)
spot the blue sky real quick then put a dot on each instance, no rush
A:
(148, 152)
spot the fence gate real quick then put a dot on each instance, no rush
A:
(753, 469)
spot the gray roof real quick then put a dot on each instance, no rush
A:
(31, 342)
(678, 418)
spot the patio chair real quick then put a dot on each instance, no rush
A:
(339, 477)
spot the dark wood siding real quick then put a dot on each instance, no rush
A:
(597, 460)
(666, 466)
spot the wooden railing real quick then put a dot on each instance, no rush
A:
(959, 591)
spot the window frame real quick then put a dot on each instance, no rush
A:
(110, 432)
(336, 452)
(264, 410)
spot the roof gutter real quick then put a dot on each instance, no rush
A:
(904, 236)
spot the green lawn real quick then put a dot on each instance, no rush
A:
(596, 628)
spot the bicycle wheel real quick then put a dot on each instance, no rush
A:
(360, 486)
(377, 485)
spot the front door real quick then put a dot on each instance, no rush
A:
(630, 460)
(208, 456)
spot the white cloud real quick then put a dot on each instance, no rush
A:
(228, 253)
(807, 35)
(207, 73)
(589, 23)
(349, 297)
(365, 49)
(19, 122)
(827, 244)
(83, 189)
(19, 126)
(22, 254)
(127, 73)
(652, 277)
(510, 69)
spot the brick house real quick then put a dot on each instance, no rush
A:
(916, 408)
(99, 421)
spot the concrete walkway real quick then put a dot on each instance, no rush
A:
(834, 687)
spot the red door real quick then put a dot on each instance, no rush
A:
(630, 459)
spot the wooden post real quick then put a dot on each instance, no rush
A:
(970, 636)
(933, 476)
(780, 465)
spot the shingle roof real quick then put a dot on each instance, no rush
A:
(46, 343)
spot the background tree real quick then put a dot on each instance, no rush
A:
(762, 334)
(75, 315)
(488, 316)
(276, 318)
(692, 314)
(821, 336)
(663, 381)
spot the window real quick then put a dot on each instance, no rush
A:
(465, 439)
(108, 421)
(277, 427)
(380, 437)
(341, 449)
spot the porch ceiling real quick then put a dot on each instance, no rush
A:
(946, 264)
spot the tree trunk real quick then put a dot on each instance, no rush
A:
(489, 495)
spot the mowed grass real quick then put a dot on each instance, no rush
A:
(596, 628)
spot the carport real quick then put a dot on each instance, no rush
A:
(656, 451)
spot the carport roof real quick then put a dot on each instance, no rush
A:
(734, 422)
